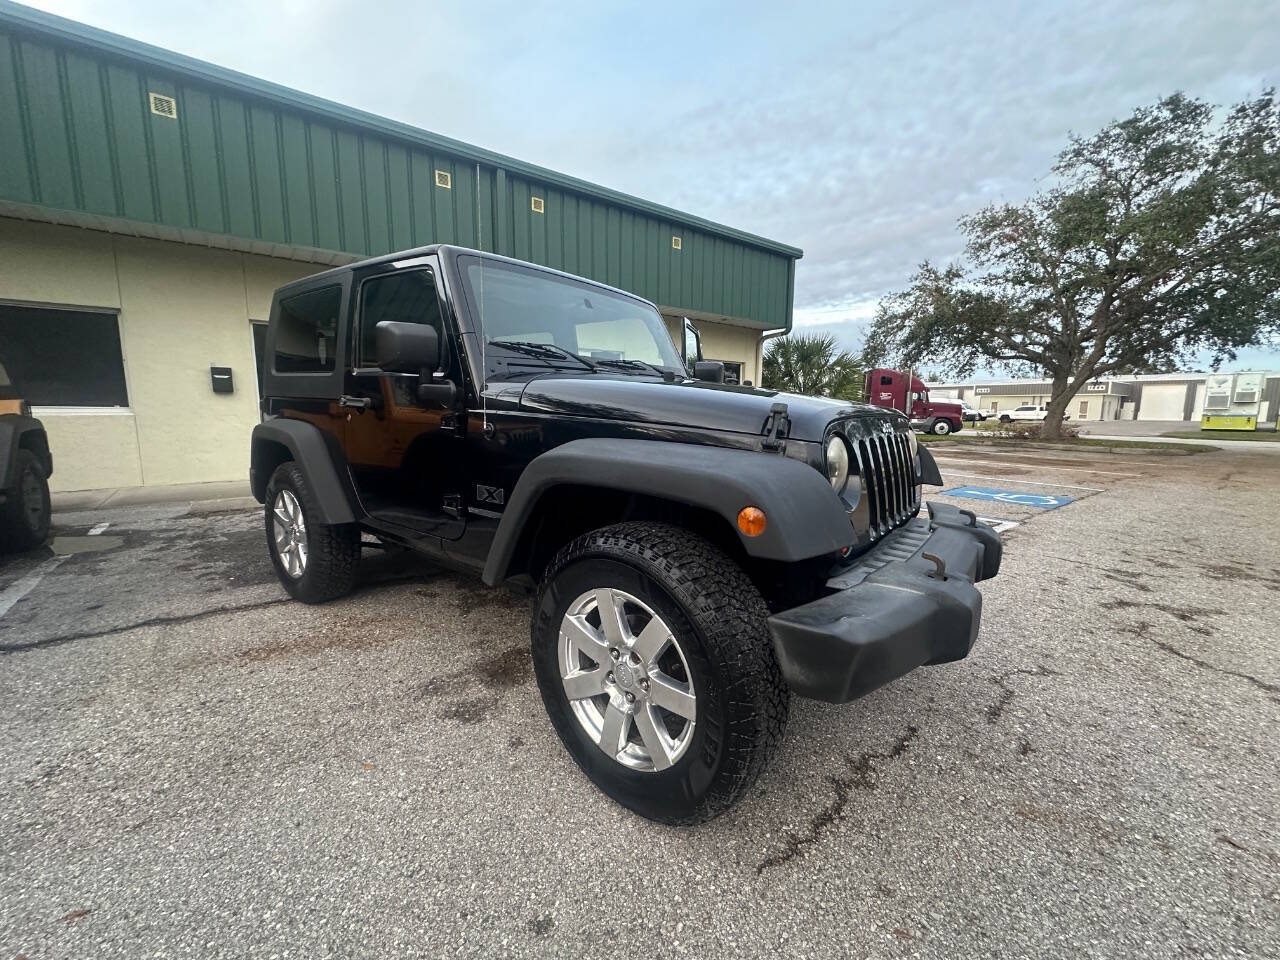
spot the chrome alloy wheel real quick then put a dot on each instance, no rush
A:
(290, 532)
(627, 679)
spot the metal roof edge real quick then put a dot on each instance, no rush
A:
(71, 31)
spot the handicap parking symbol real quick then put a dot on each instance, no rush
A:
(1040, 500)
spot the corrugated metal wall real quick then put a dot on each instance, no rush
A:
(77, 133)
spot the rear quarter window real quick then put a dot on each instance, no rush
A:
(306, 338)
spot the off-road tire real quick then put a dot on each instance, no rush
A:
(718, 618)
(333, 550)
(940, 427)
(19, 530)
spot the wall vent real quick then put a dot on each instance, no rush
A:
(163, 106)
(537, 205)
(444, 179)
(675, 243)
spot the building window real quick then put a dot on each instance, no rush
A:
(307, 331)
(63, 358)
(1084, 409)
(732, 371)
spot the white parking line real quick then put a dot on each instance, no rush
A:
(999, 525)
(1069, 486)
(1017, 463)
(20, 588)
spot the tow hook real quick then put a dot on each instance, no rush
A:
(939, 571)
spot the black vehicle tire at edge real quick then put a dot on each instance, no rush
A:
(1005, 418)
(333, 550)
(16, 532)
(719, 619)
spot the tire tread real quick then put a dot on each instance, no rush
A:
(731, 615)
(333, 550)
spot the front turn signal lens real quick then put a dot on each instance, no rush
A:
(751, 521)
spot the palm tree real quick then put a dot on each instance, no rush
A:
(812, 364)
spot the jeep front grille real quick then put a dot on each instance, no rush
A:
(888, 480)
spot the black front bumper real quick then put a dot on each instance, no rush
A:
(894, 609)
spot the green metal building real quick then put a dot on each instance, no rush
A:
(179, 172)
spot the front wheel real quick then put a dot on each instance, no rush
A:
(656, 669)
(941, 427)
(314, 561)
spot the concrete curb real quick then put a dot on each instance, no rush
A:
(147, 495)
(224, 505)
(1121, 447)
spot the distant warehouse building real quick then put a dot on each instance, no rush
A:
(150, 204)
(1161, 396)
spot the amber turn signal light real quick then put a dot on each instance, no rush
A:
(751, 521)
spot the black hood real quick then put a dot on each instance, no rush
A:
(687, 403)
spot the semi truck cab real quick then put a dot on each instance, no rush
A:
(901, 391)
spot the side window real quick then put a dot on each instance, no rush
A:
(407, 297)
(886, 381)
(307, 332)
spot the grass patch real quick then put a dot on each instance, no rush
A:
(1011, 439)
(1265, 435)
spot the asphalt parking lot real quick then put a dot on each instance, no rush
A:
(194, 766)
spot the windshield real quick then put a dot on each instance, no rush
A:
(523, 306)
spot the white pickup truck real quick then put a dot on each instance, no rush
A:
(1028, 411)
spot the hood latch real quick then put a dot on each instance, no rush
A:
(776, 428)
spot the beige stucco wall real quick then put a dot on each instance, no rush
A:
(724, 341)
(182, 309)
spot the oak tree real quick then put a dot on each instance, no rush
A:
(1158, 238)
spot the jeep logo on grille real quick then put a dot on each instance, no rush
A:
(886, 427)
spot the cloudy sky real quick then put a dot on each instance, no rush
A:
(859, 131)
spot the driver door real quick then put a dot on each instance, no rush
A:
(406, 457)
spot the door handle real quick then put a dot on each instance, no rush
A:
(360, 403)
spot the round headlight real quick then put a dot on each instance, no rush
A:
(837, 463)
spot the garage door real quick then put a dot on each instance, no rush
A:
(1162, 401)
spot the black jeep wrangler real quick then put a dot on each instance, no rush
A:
(699, 551)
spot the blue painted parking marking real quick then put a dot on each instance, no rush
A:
(1041, 500)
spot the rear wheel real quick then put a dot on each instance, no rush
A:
(314, 561)
(656, 669)
(1005, 418)
(24, 516)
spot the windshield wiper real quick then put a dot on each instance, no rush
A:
(636, 365)
(543, 351)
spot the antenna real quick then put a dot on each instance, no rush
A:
(484, 367)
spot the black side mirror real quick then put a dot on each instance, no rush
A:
(710, 371)
(406, 347)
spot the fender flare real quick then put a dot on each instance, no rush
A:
(317, 453)
(13, 427)
(929, 472)
(804, 516)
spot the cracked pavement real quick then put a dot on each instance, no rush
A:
(194, 766)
